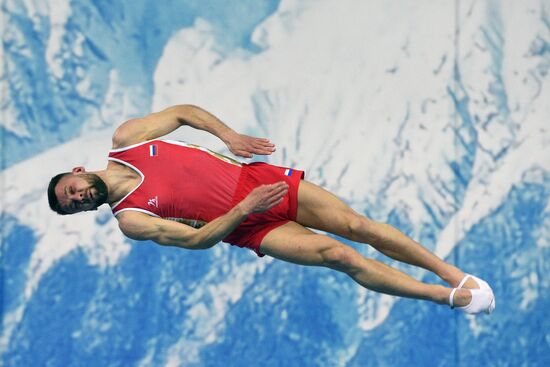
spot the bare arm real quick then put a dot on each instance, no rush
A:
(164, 122)
(141, 226)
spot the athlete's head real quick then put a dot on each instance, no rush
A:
(76, 191)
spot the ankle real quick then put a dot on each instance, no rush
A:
(451, 275)
(441, 294)
(462, 297)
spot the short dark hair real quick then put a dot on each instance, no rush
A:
(52, 198)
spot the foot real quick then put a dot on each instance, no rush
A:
(472, 282)
(458, 279)
(468, 282)
(479, 291)
(478, 300)
(460, 298)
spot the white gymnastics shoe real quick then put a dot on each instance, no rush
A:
(480, 282)
(482, 301)
(483, 285)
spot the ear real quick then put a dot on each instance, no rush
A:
(78, 169)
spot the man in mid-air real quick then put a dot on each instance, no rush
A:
(183, 195)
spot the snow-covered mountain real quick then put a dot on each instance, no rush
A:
(432, 116)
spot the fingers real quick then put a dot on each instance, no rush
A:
(278, 187)
(261, 150)
(243, 153)
(268, 196)
(253, 145)
(259, 141)
(273, 204)
(251, 152)
(281, 187)
(263, 146)
(276, 194)
(264, 197)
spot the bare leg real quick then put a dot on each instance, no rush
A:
(294, 243)
(319, 209)
(393, 243)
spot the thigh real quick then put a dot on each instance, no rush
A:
(293, 243)
(320, 209)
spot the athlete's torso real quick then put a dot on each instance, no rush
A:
(180, 181)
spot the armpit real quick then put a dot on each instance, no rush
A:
(190, 222)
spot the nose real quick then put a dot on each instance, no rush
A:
(79, 195)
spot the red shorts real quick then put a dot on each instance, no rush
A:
(252, 231)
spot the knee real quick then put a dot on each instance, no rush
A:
(339, 257)
(362, 229)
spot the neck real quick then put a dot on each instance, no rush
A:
(120, 180)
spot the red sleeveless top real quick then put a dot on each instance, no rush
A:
(179, 181)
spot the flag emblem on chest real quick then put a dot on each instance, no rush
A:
(288, 172)
(153, 150)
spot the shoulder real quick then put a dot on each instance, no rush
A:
(149, 127)
(129, 133)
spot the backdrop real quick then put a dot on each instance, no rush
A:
(430, 115)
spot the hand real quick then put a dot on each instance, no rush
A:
(264, 197)
(245, 146)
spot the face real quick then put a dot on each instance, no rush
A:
(80, 192)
